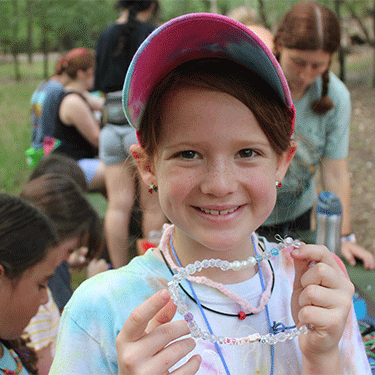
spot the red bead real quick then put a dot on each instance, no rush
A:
(241, 315)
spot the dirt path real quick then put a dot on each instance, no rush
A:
(362, 164)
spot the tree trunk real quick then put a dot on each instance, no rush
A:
(30, 14)
(262, 14)
(373, 44)
(14, 46)
(213, 6)
(341, 50)
(45, 53)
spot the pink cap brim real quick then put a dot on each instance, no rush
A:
(195, 36)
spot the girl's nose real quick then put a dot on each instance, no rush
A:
(44, 299)
(307, 74)
(219, 179)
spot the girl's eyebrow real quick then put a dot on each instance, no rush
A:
(47, 278)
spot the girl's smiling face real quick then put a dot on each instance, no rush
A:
(215, 170)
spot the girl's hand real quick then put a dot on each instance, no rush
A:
(322, 297)
(144, 344)
(350, 251)
(77, 259)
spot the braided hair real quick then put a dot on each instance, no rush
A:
(310, 26)
(26, 235)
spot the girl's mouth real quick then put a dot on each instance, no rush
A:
(218, 212)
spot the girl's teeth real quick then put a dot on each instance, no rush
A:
(216, 212)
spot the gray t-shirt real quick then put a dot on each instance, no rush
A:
(317, 136)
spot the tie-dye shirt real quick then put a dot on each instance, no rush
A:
(98, 309)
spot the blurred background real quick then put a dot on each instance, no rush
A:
(34, 32)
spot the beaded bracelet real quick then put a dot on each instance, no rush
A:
(224, 265)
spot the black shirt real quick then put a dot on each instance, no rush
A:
(110, 70)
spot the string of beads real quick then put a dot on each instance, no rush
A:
(18, 363)
(196, 331)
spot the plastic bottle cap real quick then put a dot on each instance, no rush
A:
(329, 204)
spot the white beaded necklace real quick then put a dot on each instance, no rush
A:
(191, 269)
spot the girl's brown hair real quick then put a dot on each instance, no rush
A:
(238, 81)
(310, 26)
(77, 59)
(26, 236)
(64, 202)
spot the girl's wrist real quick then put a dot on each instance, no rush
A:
(349, 238)
(326, 363)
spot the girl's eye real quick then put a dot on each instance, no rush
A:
(247, 153)
(300, 63)
(188, 154)
(41, 286)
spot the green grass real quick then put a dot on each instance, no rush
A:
(15, 122)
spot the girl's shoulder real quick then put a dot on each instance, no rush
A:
(336, 87)
(144, 273)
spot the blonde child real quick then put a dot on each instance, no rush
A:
(214, 118)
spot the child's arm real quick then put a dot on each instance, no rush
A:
(322, 297)
(144, 343)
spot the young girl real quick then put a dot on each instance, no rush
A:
(79, 227)
(214, 119)
(28, 257)
(305, 41)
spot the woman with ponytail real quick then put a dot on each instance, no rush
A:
(115, 49)
(119, 42)
(28, 258)
(305, 42)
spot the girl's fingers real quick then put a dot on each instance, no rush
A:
(317, 295)
(162, 336)
(308, 255)
(324, 275)
(171, 354)
(165, 315)
(135, 326)
(191, 367)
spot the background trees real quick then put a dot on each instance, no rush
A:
(44, 26)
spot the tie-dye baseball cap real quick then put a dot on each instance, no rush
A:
(196, 36)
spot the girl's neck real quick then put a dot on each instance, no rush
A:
(188, 251)
(75, 86)
(1, 350)
(298, 94)
(124, 15)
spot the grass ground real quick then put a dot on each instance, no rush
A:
(15, 122)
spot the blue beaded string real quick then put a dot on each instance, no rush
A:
(206, 320)
(272, 348)
(201, 310)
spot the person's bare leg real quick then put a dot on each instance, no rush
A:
(98, 181)
(120, 184)
(153, 217)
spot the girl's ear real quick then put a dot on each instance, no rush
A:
(285, 159)
(2, 275)
(144, 164)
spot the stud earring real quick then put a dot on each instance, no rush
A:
(278, 184)
(152, 188)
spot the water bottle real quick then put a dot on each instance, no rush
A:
(328, 221)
